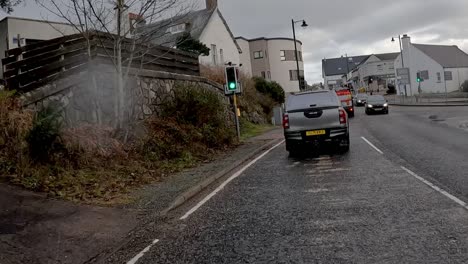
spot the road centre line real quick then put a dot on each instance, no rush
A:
(142, 253)
(372, 145)
(220, 187)
(438, 189)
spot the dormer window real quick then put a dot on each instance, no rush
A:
(176, 29)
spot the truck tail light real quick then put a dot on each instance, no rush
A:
(342, 116)
(285, 121)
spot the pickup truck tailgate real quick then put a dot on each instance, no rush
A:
(314, 118)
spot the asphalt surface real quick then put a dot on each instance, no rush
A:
(361, 207)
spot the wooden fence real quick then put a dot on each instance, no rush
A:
(32, 66)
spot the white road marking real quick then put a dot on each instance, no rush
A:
(319, 190)
(372, 145)
(336, 170)
(142, 253)
(323, 158)
(235, 175)
(438, 189)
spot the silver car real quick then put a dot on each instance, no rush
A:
(312, 118)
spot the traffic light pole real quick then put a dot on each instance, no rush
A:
(236, 116)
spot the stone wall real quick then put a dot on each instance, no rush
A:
(90, 97)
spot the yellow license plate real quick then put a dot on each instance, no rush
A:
(316, 133)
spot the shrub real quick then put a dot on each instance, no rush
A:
(189, 44)
(44, 134)
(15, 124)
(273, 89)
(192, 123)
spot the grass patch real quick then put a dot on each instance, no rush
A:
(249, 129)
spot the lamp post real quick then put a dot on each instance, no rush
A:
(304, 24)
(347, 66)
(401, 54)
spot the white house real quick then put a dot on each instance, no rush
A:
(273, 59)
(206, 25)
(333, 69)
(29, 31)
(443, 68)
(375, 72)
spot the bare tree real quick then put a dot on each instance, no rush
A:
(119, 22)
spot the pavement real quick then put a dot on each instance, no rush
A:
(426, 101)
(399, 196)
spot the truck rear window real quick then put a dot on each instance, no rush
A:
(311, 100)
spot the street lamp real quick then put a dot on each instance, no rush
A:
(347, 66)
(401, 54)
(304, 24)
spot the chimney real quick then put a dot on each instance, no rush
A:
(405, 42)
(211, 4)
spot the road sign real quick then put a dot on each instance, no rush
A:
(403, 75)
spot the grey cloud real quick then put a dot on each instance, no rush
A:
(340, 26)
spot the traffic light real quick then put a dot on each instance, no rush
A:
(231, 78)
(418, 77)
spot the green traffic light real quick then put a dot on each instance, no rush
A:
(232, 86)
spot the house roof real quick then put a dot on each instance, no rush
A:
(264, 38)
(446, 56)
(35, 20)
(337, 66)
(387, 56)
(196, 22)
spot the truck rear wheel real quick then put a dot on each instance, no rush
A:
(343, 145)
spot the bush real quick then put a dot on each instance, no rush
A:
(44, 134)
(193, 123)
(464, 86)
(273, 89)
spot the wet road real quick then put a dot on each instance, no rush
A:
(398, 201)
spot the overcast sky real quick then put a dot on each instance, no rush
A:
(337, 27)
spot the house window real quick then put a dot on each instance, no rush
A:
(299, 56)
(379, 67)
(293, 74)
(269, 75)
(424, 75)
(283, 55)
(263, 74)
(438, 77)
(214, 54)
(176, 29)
(258, 54)
(221, 56)
(448, 76)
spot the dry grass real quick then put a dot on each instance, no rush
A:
(91, 164)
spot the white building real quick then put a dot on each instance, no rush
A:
(375, 73)
(29, 31)
(206, 25)
(334, 69)
(443, 68)
(272, 59)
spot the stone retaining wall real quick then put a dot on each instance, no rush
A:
(90, 97)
